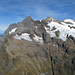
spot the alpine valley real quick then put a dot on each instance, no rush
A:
(41, 47)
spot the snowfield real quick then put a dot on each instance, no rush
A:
(38, 39)
(24, 36)
(63, 28)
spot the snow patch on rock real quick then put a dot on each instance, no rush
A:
(38, 39)
(51, 33)
(69, 20)
(24, 36)
(13, 30)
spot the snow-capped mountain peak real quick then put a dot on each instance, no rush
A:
(64, 30)
(41, 31)
(69, 20)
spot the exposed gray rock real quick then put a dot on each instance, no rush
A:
(1, 41)
(1, 38)
(12, 26)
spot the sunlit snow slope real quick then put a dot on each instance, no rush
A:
(65, 28)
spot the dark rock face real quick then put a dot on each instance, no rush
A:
(1, 38)
(23, 26)
(52, 56)
(1, 41)
(12, 26)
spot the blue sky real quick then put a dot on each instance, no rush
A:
(13, 11)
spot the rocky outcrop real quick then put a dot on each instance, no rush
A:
(1, 41)
(1, 38)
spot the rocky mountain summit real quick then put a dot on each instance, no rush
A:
(45, 47)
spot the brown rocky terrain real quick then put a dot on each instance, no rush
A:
(53, 56)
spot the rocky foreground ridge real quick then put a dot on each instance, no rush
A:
(45, 47)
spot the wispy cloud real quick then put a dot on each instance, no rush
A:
(66, 3)
(3, 27)
(16, 10)
(43, 12)
(63, 5)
